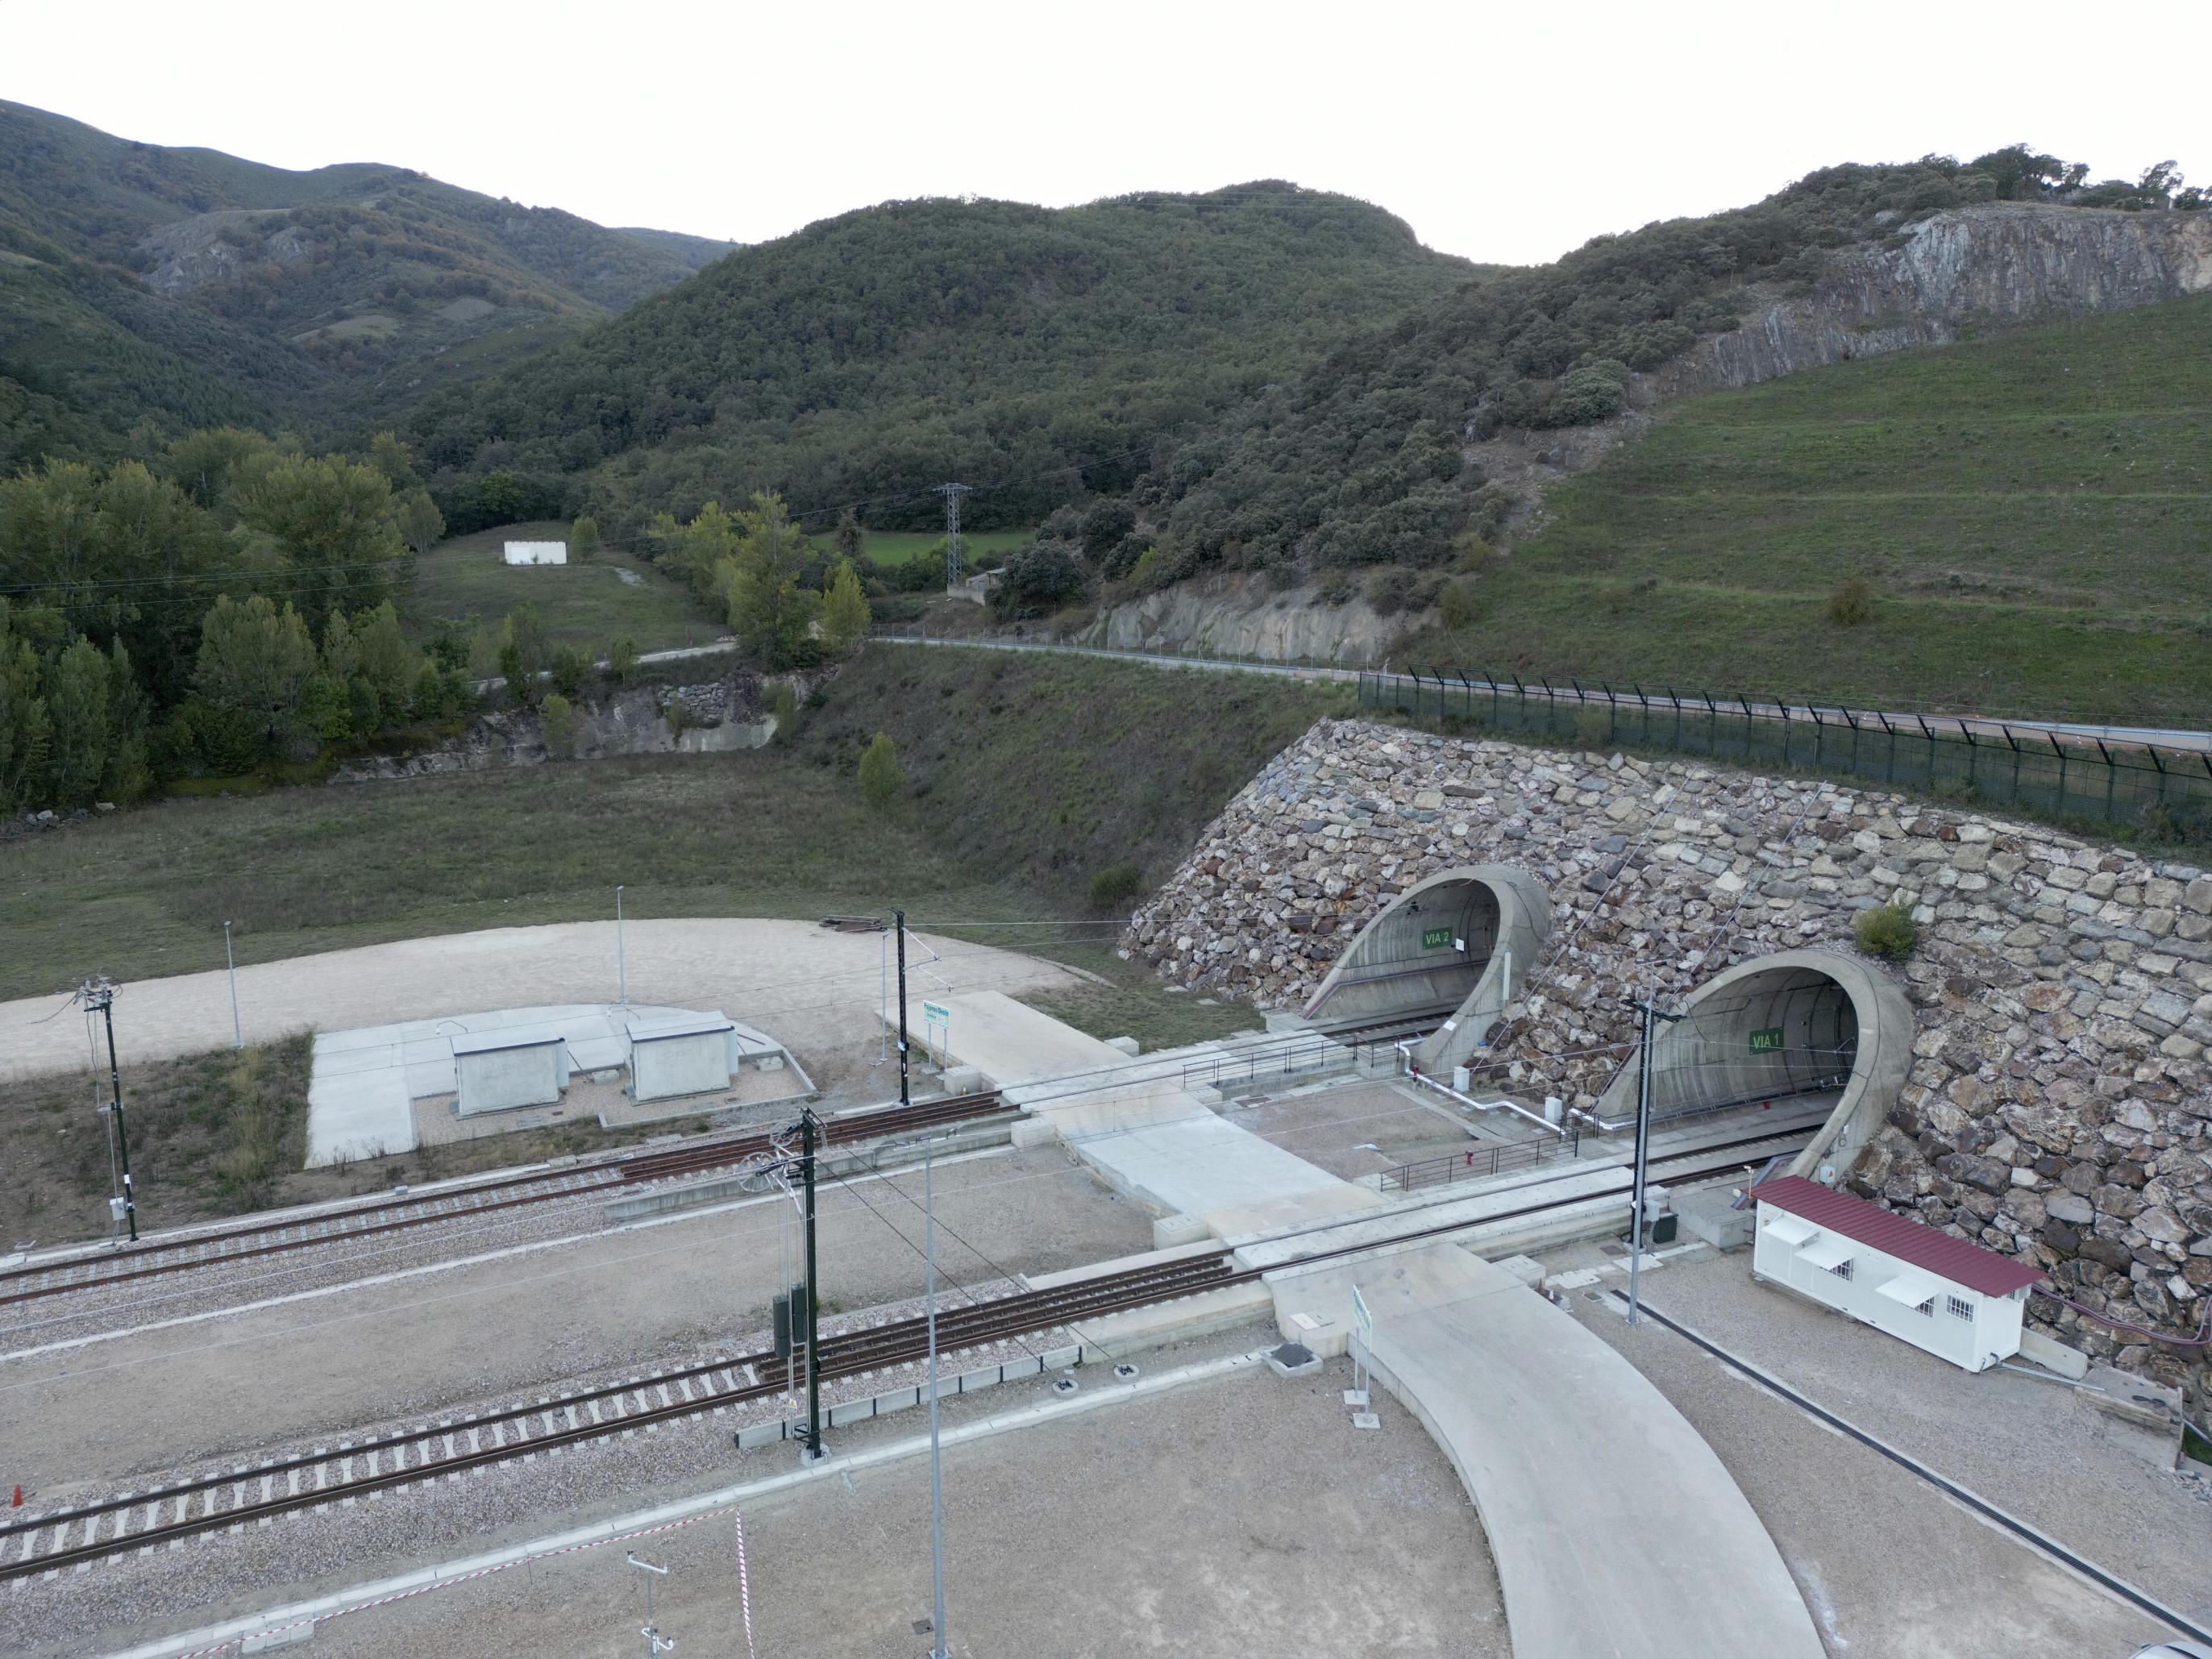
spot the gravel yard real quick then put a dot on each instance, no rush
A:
(1233, 1517)
(1889, 1565)
(641, 1296)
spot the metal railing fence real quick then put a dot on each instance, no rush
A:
(2165, 791)
(1494, 1157)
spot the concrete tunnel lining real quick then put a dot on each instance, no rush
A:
(1790, 1023)
(1443, 947)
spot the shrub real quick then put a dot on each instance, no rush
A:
(1105, 524)
(1887, 931)
(558, 717)
(1389, 589)
(880, 777)
(1115, 885)
(583, 538)
(1459, 604)
(783, 705)
(1852, 604)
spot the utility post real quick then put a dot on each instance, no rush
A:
(654, 1642)
(937, 1649)
(952, 493)
(622, 966)
(230, 961)
(807, 1125)
(1652, 1016)
(899, 918)
(101, 993)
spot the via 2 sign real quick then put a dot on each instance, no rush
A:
(1436, 938)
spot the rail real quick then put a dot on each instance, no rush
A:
(1494, 1157)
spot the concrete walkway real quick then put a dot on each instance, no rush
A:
(813, 989)
(1133, 1122)
(1616, 1532)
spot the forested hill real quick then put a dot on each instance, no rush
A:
(869, 357)
(186, 286)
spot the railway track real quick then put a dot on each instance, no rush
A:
(391, 1214)
(255, 1493)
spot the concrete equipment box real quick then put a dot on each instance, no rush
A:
(687, 1056)
(497, 1070)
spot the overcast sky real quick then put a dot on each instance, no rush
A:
(1501, 132)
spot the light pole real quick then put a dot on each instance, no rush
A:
(101, 993)
(230, 963)
(621, 968)
(937, 1644)
(1651, 1017)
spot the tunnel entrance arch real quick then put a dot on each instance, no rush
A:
(1785, 1026)
(1450, 950)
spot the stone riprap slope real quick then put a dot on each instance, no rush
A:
(2059, 1107)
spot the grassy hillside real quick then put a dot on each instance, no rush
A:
(873, 355)
(2031, 514)
(322, 298)
(585, 603)
(1359, 461)
(1027, 775)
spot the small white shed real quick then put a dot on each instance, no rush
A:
(1955, 1299)
(690, 1055)
(521, 1066)
(537, 552)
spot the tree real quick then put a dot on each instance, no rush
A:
(388, 662)
(389, 456)
(768, 611)
(129, 774)
(700, 550)
(1040, 578)
(78, 705)
(419, 524)
(522, 652)
(331, 518)
(621, 660)
(556, 717)
(25, 732)
(584, 537)
(570, 665)
(880, 777)
(1104, 525)
(254, 663)
(845, 615)
(851, 536)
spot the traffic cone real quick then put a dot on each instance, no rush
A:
(17, 1502)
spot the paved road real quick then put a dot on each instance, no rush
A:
(814, 990)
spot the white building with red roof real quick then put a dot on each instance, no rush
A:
(1951, 1298)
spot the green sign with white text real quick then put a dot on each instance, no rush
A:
(1436, 938)
(1768, 1041)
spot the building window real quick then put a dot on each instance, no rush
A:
(1927, 1309)
(1842, 1269)
(1960, 1308)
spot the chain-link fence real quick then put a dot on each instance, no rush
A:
(2165, 791)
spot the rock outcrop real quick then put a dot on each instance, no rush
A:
(2060, 1106)
(1245, 617)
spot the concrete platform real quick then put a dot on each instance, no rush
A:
(1616, 1530)
(364, 1081)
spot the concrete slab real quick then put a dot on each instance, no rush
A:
(1615, 1529)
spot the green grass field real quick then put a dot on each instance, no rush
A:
(585, 603)
(898, 546)
(2032, 512)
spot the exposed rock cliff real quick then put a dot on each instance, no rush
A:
(1239, 617)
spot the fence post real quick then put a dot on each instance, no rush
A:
(2111, 774)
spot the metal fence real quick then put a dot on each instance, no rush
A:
(2165, 791)
(1493, 1157)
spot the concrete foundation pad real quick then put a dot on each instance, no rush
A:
(1142, 1330)
(1615, 1529)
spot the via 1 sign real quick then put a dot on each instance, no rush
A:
(1436, 938)
(1767, 1041)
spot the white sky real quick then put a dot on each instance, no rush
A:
(1510, 131)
